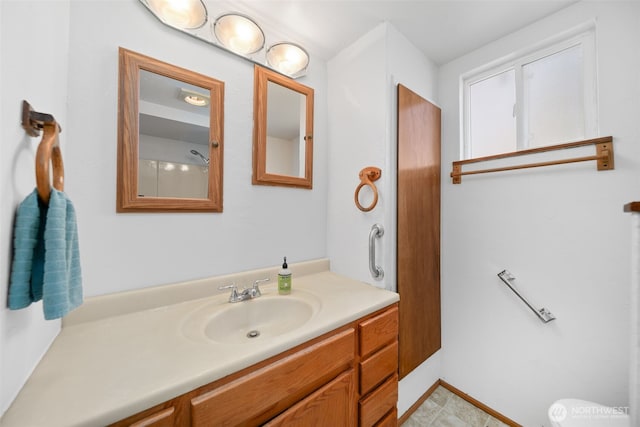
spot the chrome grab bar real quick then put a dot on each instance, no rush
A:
(543, 314)
(376, 271)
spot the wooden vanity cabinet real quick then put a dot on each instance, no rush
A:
(260, 395)
(347, 377)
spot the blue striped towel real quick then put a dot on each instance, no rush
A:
(46, 257)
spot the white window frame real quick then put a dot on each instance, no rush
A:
(583, 35)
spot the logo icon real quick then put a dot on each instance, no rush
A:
(557, 412)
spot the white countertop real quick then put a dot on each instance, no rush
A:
(101, 371)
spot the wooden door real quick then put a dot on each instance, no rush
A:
(418, 269)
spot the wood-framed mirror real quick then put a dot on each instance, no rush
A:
(282, 131)
(170, 137)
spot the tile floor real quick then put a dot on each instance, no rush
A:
(445, 409)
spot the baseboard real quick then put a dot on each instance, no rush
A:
(495, 414)
(419, 402)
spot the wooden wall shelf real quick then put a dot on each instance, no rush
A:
(604, 158)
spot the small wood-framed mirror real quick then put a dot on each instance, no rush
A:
(282, 131)
(170, 137)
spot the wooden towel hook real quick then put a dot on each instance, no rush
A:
(49, 153)
(48, 150)
(34, 121)
(367, 177)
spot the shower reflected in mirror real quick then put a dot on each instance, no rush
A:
(203, 158)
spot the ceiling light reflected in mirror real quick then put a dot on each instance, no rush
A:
(232, 32)
(194, 98)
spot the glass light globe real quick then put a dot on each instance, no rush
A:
(185, 14)
(238, 33)
(288, 58)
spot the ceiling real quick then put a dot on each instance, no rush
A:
(442, 29)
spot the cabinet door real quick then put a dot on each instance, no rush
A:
(331, 405)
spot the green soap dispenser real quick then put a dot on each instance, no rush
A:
(284, 279)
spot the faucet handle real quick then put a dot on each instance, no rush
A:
(256, 289)
(234, 291)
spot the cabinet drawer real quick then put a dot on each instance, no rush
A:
(331, 405)
(164, 418)
(377, 404)
(378, 331)
(390, 420)
(275, 387)
(378, 367)
(161, 417)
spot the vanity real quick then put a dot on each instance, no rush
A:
(324, 355)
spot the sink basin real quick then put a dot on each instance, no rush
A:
(258, 318)
(253, 320)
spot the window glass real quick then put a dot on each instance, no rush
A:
(554, 98)
(492, 120)
(545, 96)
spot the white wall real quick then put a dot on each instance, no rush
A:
(259, 225)
(363, 82)
(362, 132)
(257, 222)
(34, 46)
(562, 233)
(359, 137)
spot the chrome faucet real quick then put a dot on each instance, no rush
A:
(246, 293)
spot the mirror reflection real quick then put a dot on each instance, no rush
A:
(169, 137)
(283, 131)
(173, 134)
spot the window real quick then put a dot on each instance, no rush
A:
(542, 98)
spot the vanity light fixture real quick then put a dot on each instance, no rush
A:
(194, 98)
(288, 58)
(238, 33)
(232, 32)
(185, 14)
